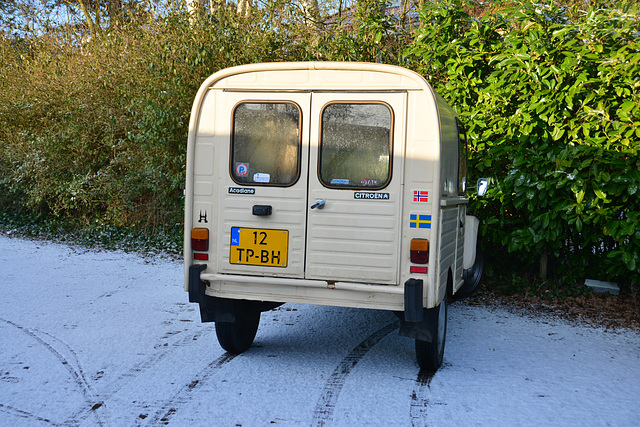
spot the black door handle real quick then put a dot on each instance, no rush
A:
(262, 210)
(318, 204)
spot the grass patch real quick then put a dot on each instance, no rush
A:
(575, 302)
(519, 284)
(129, 239)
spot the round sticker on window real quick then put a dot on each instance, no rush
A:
(242, 169)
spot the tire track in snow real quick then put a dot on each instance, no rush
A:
(183, 396)
(119, 383)
(26, 415)
(141, 367)
(93, 403)
(327, 403)
(419, 398)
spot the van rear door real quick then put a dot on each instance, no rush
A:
(355, 170)
(263, 182)
(289, 151)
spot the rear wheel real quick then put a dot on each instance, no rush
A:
(429, 354)
(472, 276)
(236, 337)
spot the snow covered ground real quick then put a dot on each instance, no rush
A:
(109, 339)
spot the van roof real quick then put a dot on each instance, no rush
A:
(354, 76)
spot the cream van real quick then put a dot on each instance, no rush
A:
(327, 183)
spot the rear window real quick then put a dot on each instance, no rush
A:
(266, 143)
(356, 145)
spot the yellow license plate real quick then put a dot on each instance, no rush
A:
(256, 246)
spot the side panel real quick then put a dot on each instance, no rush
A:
(453, 199)
(470, 241)
(462, 213)
(447, 245)
(205, 158)
(451, 244)
(421, 189)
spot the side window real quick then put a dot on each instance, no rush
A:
(462, 158)
(265, 145)
(356, 145)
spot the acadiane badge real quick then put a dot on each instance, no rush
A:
(241, 190)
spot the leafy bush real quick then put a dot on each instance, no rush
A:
(93, 131)
(553, 111)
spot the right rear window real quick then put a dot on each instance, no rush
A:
(356, 145)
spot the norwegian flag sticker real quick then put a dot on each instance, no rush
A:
(420, 196)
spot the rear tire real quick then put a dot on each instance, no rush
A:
(430, 354)
(472, 276)
(236, 337)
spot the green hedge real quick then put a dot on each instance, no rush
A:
(552, 105)
(94, 131)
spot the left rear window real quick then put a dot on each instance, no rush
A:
(265, 145)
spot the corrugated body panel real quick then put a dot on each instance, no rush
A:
(288, 214)
(448, 231)
(206, 120)
(462, 210)
(356, 241)
(205, 192)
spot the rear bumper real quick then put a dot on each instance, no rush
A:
(278, 289)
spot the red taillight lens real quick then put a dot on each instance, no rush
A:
(201, 256)
(418, 269)
(419, 251)
(200, 239)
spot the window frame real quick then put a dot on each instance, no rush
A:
(232, 143)
(463, 158)
(391, 146)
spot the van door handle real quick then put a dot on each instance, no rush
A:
(318, 204)
(262, 210)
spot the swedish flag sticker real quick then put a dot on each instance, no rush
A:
(420, 221)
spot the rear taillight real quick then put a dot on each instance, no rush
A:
(200, 243)
(419, 251)
(201, 256)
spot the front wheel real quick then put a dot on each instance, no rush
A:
(236, 337)
(429, 354)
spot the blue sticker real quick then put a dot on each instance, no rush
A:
(261, 177)
(235, 236)
(339, 181)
